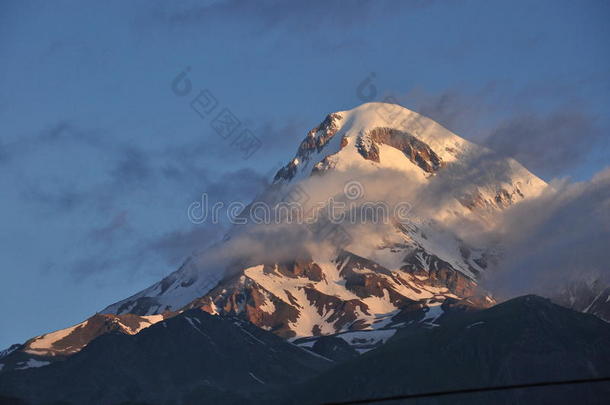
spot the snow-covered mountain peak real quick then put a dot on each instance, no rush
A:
(381, 140)
(390, 274)
(369, 116)
(387, 272)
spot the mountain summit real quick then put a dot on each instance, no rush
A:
(394, 266)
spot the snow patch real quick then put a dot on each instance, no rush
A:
(44, 344)
(32, 363)
(366, 340)
(256, 378)
(432, 314)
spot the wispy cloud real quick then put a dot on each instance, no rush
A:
(558, 238)
(295, 16)
(61, 133)
(550, 144)
(119, 224)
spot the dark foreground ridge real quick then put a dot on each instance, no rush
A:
(437, 394)
(521, 341)
(196, 358)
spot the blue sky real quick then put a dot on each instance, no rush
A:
(99, 159)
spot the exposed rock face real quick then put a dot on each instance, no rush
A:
(334, 348)
(439, 273)
(314, 142)
(592, 297)
(306, 298)
(72, 340)
(56, 346)
(243, 297)
(319, 136)
(472, 303)
(600, 306)
(323, 165)
(417, 151)
(287, 172)
(502, 199)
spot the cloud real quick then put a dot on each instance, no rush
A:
(119, 224)
(120, 168)
(454, 109)
(122, 186)
(294, 16)
(177, 245)
(61, 133)
(283, 137)
(559, 238)
(120, 246)
(133, 167)
(50, 181)
(60, 200)
(550, 142)
(89, 265)
(127, 245)
(547, 144)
